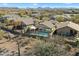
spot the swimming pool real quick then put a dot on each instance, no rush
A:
(42, 34)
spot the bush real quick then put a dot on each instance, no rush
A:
(2, 34)
(42, 48)
(60, 18)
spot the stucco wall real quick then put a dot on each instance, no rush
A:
(64, 31)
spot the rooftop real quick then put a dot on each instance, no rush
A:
(48, 24)
(68, 24)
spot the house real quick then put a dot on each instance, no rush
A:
(28, 21)
(67, 28)
(46, 25)
(54, 22)
(11, 18)
(35, 12)
(43, 29)
(28, 24)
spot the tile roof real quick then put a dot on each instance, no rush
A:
(68, 24)
(28, 21)
(48, 24)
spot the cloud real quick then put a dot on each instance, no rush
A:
(4, 4)
(35, 4)
(68, 3)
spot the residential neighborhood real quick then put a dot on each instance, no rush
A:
(39, 31)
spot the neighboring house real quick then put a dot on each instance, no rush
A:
(67, 28)
(35, 14)
(54, 22)
(28, 21)
(46, 25)
(11, 18)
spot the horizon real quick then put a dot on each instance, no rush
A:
(41, 5)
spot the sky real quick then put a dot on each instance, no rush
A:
(43, 5)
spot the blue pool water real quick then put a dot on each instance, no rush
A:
(42, 34)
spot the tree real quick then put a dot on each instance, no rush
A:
(1, 34)
(60, 18)
(75, 18)
(22, 12)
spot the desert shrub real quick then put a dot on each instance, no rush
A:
(60, 18)
(1, 34)
(57, 39)
(3, 51)
(42, 48)
(24, 43)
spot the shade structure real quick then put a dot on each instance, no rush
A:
(32, 27)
